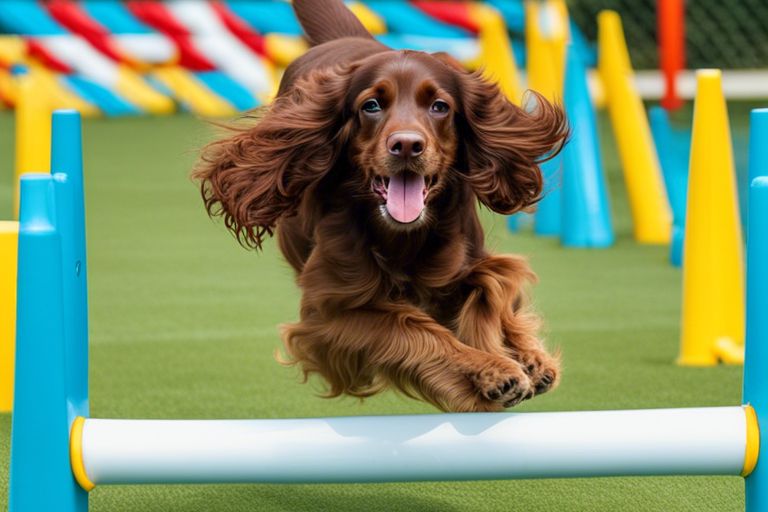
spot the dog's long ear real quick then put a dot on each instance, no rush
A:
(505, 144)
(259, 173)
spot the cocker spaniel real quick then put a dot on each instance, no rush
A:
(368, 166)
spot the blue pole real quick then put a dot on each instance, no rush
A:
(40, 475)
(758, 147)
(67, 164)
(546, 220)
(586, 213)
(758, 143)
(756, 357)
(674, 151)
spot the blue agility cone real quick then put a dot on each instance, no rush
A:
(586, 215)
(546, 220)
(674, 149)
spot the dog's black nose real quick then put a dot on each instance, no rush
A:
(406, 144)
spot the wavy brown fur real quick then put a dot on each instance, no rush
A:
(421, 307)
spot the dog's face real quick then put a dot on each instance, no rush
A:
(404, 137)
(406, 127)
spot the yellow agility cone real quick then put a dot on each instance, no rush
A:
(9, 233)
(496, 50)
(713, 265)
(33, 131)
(649, 205)
(546, 33)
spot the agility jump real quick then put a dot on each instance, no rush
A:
(58, 453)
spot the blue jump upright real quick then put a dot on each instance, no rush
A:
(758, 143)
(756, 356)
(51, 387)
(67, 170)
(586, 213)
(758, 147)
(674, 149)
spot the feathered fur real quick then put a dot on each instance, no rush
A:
(421, 307)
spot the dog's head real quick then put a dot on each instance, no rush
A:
(396, 130)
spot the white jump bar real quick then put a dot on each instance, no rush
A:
(696, 441)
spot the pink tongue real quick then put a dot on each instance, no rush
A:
(405, 196)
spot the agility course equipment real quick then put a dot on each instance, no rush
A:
(414, 448)
(545, 42)
(645, 187)
(496, 49)
(713, 277)
(56, 447)
(32, 131)
(758, 150)
(574, 204)
(9, 233)
(756, 349)
(586, 214)
(671, 35)
(674, 149)
(216, 58)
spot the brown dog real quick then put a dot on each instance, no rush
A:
(369, 164)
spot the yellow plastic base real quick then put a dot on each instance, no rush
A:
(698, 361)
(724, 350)
(752, 450)
(729, 351)
(76, 454)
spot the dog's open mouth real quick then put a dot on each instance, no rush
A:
(404, 194)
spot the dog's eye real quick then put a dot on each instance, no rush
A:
(371, 106)
(439, 107)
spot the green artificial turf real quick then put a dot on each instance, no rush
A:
(183, 325)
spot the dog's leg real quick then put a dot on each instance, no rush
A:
(494, 318)
(411, 351)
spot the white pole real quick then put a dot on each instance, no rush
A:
(702, 441)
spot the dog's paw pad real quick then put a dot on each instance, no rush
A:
(544, 384)
(503, 382)
(542, 369)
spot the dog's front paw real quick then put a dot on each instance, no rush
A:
(542, 368)
(503, 381)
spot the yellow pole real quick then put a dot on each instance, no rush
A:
(645, 186)
(9, 231)
(553, 24)
(33, 131)
(496, 50)
(713, 265)
(546, 37)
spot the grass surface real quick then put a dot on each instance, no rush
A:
(183, 324)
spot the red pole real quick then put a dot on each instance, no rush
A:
(671, 34)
